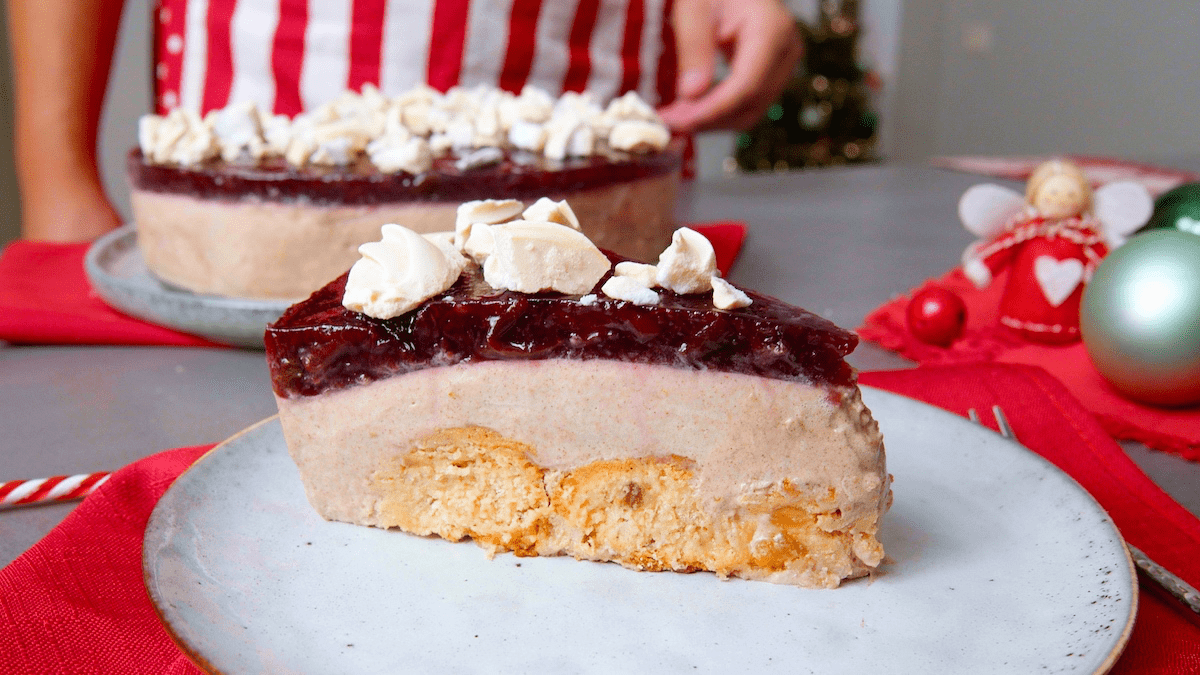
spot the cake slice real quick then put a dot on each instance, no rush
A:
(545, 398)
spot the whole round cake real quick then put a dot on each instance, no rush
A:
(242, 203)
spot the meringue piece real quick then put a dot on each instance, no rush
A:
(688, 264)
(399, 153)
(461, 134)
(534, 105)
(629, 289)
(417, 117)
(549, 211)
(372, 99)
(299, 150)
(170, 131)
(180, 137)
(356, 135)
(476, 241)
(197, 145)
(479, 157)
(277, 132)
(440, 143)
(531, 257)
(646, 275)
(582, 143)
(488, 130)
(393, 123)
(445, 242)
(148, 128)
(396, 274)
(336, 151)
(630, 106)
(237, 129)
(527, 136)
(588, 300)
(422, 93)
(558, 137)
(727, 296)
(486, 211)
(638, 136)
(580, 105)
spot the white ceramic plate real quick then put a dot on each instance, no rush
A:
(1000, 563)
(117, 271)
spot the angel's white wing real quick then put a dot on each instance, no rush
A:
(984, 209)
(1122, 207)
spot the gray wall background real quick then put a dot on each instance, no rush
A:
(1107, 77)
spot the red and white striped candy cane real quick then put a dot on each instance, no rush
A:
(53, 489)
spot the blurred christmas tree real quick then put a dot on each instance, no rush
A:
(824, 116)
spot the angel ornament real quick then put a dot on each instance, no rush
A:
(1050, 242)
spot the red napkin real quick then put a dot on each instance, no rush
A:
(75, 602)
(45, 297)
(727, 239)
(984, 339)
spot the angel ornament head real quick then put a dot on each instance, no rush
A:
(1045, 245)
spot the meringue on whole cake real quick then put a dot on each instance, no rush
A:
(511, 383)
(242, 203)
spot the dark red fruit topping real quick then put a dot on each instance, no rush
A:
(520, 175)
(318, 345)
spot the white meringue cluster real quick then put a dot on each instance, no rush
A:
(524, 249)
(688, 265)
(406, 132)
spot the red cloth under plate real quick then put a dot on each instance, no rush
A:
(45, 297)
(76, 603)
(984, 339)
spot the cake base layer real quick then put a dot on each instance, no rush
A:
(653, 467)
(252, 248)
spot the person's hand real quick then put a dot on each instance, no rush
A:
(760, 40)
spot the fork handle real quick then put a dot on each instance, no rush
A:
(1180, 589)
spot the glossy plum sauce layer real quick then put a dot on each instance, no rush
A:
(318, 345)
(521, 175)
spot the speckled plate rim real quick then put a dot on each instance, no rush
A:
(114, 266)
(161, 604)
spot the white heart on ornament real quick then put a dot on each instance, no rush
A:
(1057, 278)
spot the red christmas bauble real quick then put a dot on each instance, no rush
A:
(936, 316)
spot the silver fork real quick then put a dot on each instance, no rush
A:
(1178, 588)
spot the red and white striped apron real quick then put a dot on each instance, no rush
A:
(292, 55)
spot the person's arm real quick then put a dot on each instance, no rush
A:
(62, 51)
(759, 38)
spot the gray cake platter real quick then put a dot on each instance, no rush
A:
(118, 273)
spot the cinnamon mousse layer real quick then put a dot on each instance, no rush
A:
(737, 474)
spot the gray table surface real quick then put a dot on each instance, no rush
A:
(838, 242)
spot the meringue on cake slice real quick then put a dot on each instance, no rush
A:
(514, 384)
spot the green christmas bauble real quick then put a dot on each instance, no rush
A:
(1178, 209)
(1140, 318)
